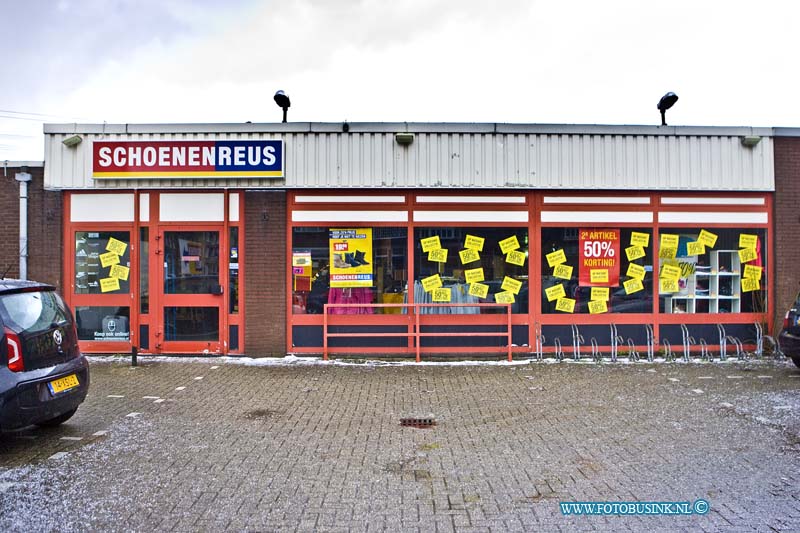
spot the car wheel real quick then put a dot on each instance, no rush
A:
(57, 421)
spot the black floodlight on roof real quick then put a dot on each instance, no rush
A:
(667, 101)
(283, 102)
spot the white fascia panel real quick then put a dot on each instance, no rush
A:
(144, 207)
(693, 217)
(470, 199)
(349, 199)
(189, 207)
(101, 208)
(700, 200)
(470, 216)
(596, 200)
(623, 217)
(233, 207)
(349, 216)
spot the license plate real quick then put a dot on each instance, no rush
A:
(63, 384)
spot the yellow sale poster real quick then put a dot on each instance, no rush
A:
(351, 257)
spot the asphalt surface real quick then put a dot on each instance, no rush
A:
(213, 445)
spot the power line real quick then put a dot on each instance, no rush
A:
(5, 114)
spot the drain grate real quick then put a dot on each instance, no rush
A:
(419, 423)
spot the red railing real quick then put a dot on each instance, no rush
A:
(416, 334)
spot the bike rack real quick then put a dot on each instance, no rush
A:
(577, 339)
(760, 338)
(559, 349)
(539, 341)
(740, 353)
(688, 340)
(651, 342)
(667, 350)
(596, 354)
(615, 340)
(723, 343)
(705, 354)
(633, 353)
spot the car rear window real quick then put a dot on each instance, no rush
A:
(32, 312)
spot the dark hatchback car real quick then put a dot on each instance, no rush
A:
(789, 338)
(43, 376)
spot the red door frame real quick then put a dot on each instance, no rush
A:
(97, 300)
(164, 300)
(154, 317)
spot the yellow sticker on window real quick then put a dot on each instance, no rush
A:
(634, 252)
(598, 275)
(598, 306)
(600, 293)
(440, 295)
(511, 285)
(670, 272)
(438, 256)
(478, 289)
(515, 258)
(565, 305)
(636, 271)
(640, 239)
(747, 254)
(753, 272)
(118, 247)
(505, 297)
(748, 241)
(555, 292)
(431, 243)
(562, 271)
(472, 242)
(109, 284)
(507, 245)
(556, 258)
(474, 275)
(469, 256)
(633, 285)
(109, 258)
(668, 285)
(749, 285)
(695, 248)
(669, 241)
(119, 272)
(707, 238)
(431, 282)
(668, 253)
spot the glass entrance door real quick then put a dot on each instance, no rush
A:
(192, 292)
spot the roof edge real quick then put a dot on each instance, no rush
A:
(415, 127)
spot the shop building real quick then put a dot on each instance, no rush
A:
(230, 239)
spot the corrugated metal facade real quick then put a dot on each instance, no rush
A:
(480, 156)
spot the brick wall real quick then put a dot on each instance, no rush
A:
(265, 273)
(45, 250)
(786, 224)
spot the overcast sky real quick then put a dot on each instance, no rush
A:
(732, 63)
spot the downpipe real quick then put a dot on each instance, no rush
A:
(23, 178)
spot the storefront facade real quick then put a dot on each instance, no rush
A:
(231, 239)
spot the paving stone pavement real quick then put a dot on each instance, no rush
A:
(212, 445)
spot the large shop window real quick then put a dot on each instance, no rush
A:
(597, 270)
(471, 265)
(348, 266)
(712, 271)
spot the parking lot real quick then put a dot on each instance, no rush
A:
(217, 444)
